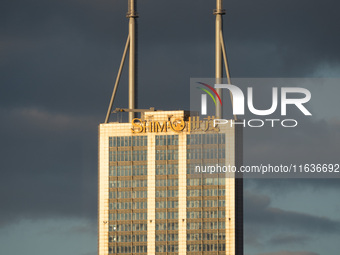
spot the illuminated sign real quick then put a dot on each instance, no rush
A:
(194, 124)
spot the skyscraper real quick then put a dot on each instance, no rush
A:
(152, 200)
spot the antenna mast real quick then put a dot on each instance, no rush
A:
(131, 46)
(132, 15)
(218, 12)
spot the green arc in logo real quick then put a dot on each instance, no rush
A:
(208, 92)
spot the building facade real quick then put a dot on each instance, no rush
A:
(152, 200)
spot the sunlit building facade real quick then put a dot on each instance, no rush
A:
(151, 200)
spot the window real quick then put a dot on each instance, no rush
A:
(194, 203)
(164, 182)
(166, 215)
(169, 169)
(210, 214)
(166, 140)
(166, 248)
(194, 192)
(194, 182)
(127, 141)
(128, 155)
(139, 227)
(165, 226)
(193, 215)
(194, 237)
(194, 225)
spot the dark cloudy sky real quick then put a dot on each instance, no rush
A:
(58, 64)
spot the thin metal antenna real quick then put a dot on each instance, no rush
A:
(225, 57)
(117, 81)
(132, 15)
(218, 12)
(131, 45)
(227, 69)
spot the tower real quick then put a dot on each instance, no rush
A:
(152, 199)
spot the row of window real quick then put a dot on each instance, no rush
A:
(166, 215)
(128, 227)
(206, 153)
(206, 215)
(128, 238)
(128, 216)
(167, 226)
(128, 205)
(128, 184)
(206, 139)
(169, 169)
(134, 170)
(166, 248)
(168, 182)
(166, 193)
(205, 181)
(168, 237)
(206, 225)
(128, 141)
(137, 170)
(205, 192)
(206, 247)
(205, 203)
(128, 249)
(128, 194)
(166, 140)
(205, 236)
(166, 154)
(166, 204)
(138, 155)
(169, 204)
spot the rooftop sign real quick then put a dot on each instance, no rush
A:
(194, 124)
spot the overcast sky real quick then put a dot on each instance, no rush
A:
(59, 60)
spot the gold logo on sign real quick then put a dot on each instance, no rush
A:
(178, 125)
